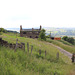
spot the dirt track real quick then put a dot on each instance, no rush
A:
(62, 51)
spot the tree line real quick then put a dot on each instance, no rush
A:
(69, 39)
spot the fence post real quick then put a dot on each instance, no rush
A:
(57, 55)
(23, 46)
(45, 53)
(28, 47)
(73, 57)
(39, 52)
(55, 73)
(16, 44)
(0, 40)
(31, 49)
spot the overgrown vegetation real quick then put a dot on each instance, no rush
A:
(68, 39)
(2, 30)
(23, 63)
(42, 35)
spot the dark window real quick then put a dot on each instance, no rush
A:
(24, 32)
(36, 37)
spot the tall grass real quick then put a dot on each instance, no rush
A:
(23, 63)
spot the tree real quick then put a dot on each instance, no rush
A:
(2, 30)
(42, 35)
(65, 38)
(68, 39)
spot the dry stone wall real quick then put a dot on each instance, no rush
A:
(11, 45)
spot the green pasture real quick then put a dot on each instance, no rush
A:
(23, 63)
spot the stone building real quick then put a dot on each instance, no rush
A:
(30, 33)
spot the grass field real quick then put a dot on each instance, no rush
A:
(23, 63)
(63, 44)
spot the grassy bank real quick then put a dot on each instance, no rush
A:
(23, 63)
(63, 44)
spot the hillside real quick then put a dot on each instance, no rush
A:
(23, 63)
(63, 44)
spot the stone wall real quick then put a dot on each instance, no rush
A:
(10, 45)
(30, 34)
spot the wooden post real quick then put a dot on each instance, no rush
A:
(23, 45)
(55, 73)
(28, 47)
(45, 53)
(31, 49)
(16, 45)
(57, 55)
(73, 57)
(39, 52)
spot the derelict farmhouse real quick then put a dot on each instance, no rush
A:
(31, 33)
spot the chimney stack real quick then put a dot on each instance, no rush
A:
(40, 27)
(20, 27)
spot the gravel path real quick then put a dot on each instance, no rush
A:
(62, 51)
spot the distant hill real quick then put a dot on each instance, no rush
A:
(60, 31)
(13, 29)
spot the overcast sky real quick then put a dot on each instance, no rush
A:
(33, 13)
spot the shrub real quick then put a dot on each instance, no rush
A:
(68, 39)
(2, 30)
(65, 38)
(42, 35)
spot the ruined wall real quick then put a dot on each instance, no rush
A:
(30, 34)
(10, 45)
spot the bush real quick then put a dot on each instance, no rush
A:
(3, 30)
(68, 39)
(42, 35)
(65, 38)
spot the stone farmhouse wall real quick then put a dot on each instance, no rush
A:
(30, 33)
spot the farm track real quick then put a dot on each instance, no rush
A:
(62, 51)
